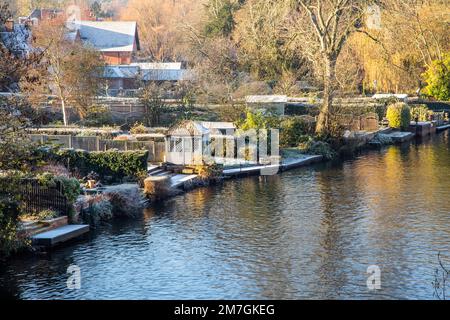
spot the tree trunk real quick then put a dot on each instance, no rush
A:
(63, 108)
(323, 122)
(63, 102)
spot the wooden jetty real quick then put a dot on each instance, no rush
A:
(272, 169)
(56, 236)
(443, 127)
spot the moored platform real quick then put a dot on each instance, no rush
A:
(56, 236)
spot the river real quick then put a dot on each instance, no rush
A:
(308, 233)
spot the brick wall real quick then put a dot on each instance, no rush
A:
(117, 58)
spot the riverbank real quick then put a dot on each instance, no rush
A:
(98, 207)
(309, 233)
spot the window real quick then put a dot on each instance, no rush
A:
(175, 144)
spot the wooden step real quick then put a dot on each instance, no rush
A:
(56, 222)
(56, 236)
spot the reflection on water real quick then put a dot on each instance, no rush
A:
(308, 233)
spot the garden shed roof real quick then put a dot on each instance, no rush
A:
(266, 99)
(188, 128)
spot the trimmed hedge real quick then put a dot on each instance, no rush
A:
(399, 116)
(116, 164)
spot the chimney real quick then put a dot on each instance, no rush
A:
(9, 25)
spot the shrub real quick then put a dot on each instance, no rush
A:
(117, 202)
(97, 116)
(46, 214)
(138, 128)
(295, 130)
(399, 116)
(209, 172)
(126, 200)
(420, 112)
(259, 120)
(9, 219)
(55, 169)
(100, 209)
(71, 187)
(319, 148)
(438, 79)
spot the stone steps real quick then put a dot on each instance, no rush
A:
(32, 228)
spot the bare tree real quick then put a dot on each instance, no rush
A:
(322, 28)
(74, 71)
(152, 98)
(264, 43)
(159, 23)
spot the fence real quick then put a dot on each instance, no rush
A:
(367, 122)
(36, 197)
(156, 149)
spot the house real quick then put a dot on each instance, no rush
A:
(16, 37)
(118, 41)
(131, 76)
(162, 71)
(42, 14)
(267, 103)
(57, 16)
(121, 77)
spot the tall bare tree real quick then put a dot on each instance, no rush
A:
(262, 39)
(322, 28)
(74, 70)
(159, 22)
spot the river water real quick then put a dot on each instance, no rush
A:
(308, 233)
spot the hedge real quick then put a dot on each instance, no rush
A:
(399, 116)
(116, 164)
